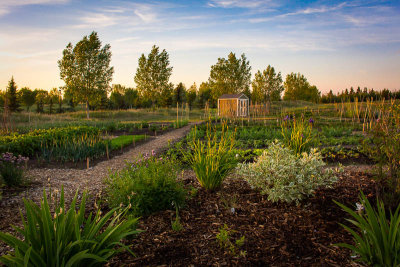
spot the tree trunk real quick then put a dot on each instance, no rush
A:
(87, 110)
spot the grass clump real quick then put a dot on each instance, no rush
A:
(213, 158)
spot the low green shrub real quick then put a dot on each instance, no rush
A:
(377, 239)
(11, 169)
(149, 185)
(213, 158)
(67, 238)
(286, 176)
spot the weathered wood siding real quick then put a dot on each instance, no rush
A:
(227, 107)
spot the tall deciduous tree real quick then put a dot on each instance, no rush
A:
(230, 76)
(12, 97)
(86, 69)
(179, 94)
(40, 98)
(191, 95)
(27, 97)
(152, 76)
(267, 86)
(53, 98)
(298, 88)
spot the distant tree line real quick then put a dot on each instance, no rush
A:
(359, 95)
(85, 69)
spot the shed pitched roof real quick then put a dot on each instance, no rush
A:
(233, 96)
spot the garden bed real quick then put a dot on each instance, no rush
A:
(274, 234)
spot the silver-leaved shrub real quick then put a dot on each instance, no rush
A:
(285, 176)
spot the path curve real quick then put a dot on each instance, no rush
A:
(72, 179)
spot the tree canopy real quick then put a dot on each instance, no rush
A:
(86, 69)
(230, 76)
(152, 76)
(27, 97)
(298, 88)
(267, 86)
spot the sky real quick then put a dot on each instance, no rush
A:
(335, 44)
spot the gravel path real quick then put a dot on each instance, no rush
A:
(73, 179)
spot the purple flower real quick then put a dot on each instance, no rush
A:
(153, 153)
(311, 120)
(286, 118)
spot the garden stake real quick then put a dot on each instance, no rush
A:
(108, 157)
(87, 163)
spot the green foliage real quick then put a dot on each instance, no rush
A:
(377, 239)
(297, 133)
(267, 86)
(180, 123)
(11, 169)
(191, 95)
(68, 143)
(384, 147)
(212, 159)
(125, 140)
(179, 95)
(286, 176)
(176, 224)
(224, 240)
(27, 97)
(86, 69)
(298, 88)
(230, 76)
(67, 238)
(149, 185)
(12, 97)
(152, 75)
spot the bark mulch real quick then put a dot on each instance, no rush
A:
(275, 234)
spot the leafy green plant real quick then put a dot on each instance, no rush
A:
(377, 239)
(297, 133)
(11, 169)
(286, 176)
(176, 224)
(149, 185)
(67, 238)
(213, 158)
(224, 240)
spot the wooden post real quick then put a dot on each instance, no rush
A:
(108, 157)
(87, 163)
(177, 113)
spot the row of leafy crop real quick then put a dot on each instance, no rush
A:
(62, 144)
(106, 126)
(67, 144)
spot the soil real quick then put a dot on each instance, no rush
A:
(275, 234)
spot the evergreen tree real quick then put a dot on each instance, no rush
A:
(12, 97)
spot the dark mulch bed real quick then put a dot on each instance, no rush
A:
(275, 234)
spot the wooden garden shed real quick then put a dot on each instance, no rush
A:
(233, 105)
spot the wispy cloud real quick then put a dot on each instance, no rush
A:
(239, 3)
(7, 5)
(306, 11)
